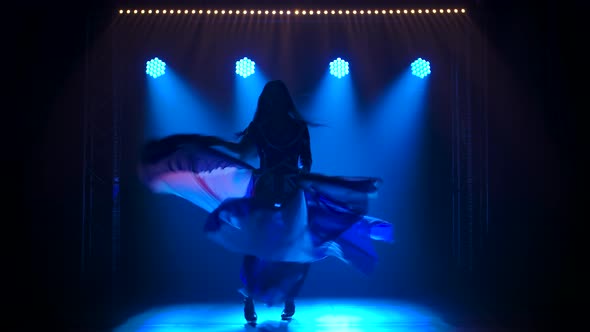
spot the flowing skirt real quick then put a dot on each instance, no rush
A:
(325, 216)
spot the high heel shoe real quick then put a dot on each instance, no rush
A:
(289, 310)
(249, 311)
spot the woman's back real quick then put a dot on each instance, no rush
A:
(280, 144)
(278, 131)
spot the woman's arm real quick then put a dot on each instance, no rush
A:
(245, 147)
(305, 153)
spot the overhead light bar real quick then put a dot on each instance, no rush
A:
(295, 12)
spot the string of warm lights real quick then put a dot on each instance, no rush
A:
(296, 12)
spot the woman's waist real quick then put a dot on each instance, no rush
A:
(281, 168)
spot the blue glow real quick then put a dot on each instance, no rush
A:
(420, 68)
(334, 103)
(245, 67)
(327, 315)
(155, 68)
(174, 106)
(339, 68)
(398, 121)
(246, 93)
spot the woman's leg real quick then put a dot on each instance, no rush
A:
(248, 266)
(289, 309)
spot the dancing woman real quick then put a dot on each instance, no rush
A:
(280, 216)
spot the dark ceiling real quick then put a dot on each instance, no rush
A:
(293, 3)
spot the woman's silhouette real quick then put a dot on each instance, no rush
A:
(280, 216)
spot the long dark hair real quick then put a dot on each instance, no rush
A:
(275, 102)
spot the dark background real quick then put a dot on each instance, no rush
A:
(528, 268)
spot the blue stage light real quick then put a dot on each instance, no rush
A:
(155, 68)
(339, 68)
(245, 67)
(420, 68)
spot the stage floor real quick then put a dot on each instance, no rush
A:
(321, 315)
